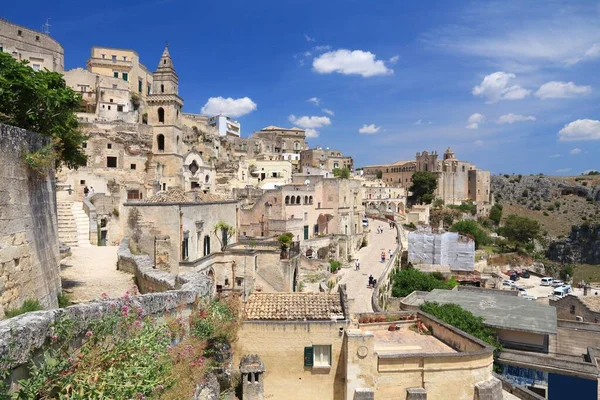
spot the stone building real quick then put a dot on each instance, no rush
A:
(309, 348)
(29, 255)
(457, 180)
(578, 308)
(178, 228)
(327, 158)
(225, 125)
(384, 198)
(24, 44)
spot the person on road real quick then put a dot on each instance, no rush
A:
(357, 265)
(383, 256)
(370, 280)
(390, 254)
(86, 191)
(91, 191)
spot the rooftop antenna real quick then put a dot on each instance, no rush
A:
(46, 27)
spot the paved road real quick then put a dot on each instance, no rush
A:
(91, 271)
(357, 281)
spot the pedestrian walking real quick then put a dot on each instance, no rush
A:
(357, 265)
(390, 254)
(383, 256)
(370, 280)
(91, 191)
(85, 191)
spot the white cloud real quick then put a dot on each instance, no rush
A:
(394, 59)
(369, 129)
(310, 122)
(510, 118)
(563, 170)
(311, 133)
(228, 106)
(561, 90)
(475, 120)
(555, 156)
(495, 87)
(307, 54)
(581, 129)
(348, 62)
(478, 143)
(314, 100)
(575, 151)
(308, 38)
(321, 48)
(327, 111)
(419, 122)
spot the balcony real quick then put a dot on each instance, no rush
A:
(93, 61)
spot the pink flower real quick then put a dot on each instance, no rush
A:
(150, 288)
(70, 359)
(104, 295)
(137, 323)
(156, 355)
(54, 338)
(89, 333)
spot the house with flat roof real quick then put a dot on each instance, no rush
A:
(305, 345)
(520, 324)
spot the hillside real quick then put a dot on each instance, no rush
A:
(557, 203)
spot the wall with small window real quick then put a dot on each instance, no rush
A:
(304, 360)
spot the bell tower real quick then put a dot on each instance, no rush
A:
(164, 115)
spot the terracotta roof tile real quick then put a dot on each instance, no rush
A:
(294, 307)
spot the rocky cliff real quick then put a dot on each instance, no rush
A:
(582, 246)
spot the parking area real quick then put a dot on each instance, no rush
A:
(533, 287)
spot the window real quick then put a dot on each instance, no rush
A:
(111, 162)
(134, 195)
(239, 281)
(109, 146)
(162, 88)
(133, 166)
(184, 248)
(84, 145)
(82, 182)
(140, 85)
(36, 67)
(103, 56)
(109, 107)
(149, 89)
(19, 33)
(115, 74)
(306, 217)
(37, 38)
(160, 142)
(161, 115)
(114, 58)
(111, 100)
(119, 108)
(125, 76)
(124, 58)
(572, 309)
(317, 356)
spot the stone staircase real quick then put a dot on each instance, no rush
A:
(73, 224)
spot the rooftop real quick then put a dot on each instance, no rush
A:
(179, 196)
(407, 341)
(505, 312)
(294, 307)
(592, 302)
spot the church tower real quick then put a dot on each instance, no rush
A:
(164, 115)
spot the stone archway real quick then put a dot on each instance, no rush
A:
(400, 208)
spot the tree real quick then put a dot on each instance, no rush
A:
(438, 203)
(423, 186)
(223, 232)
(285, 240)
(471, 228)
(408, 280)
(41, 102)
(379, 174)
(343, 173)
(496, 213)
(464, 320)
(520, 230)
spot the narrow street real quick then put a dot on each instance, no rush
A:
(91, 271)
(370, 264)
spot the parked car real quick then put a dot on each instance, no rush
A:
(508, 283)
(562, 291)
(557, 283)
(525, 274)
(547, 281)
(528, 297)
(514, 277)
(365, 222)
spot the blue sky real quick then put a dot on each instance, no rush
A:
(512, 86)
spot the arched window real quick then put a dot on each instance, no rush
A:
(298, 199)
(206, 178)
(305, 199)
(287, 199)
(161, 115)
(162, 88)
(160, 142)
(310, 199)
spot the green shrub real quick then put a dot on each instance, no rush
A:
(334, 265)
(407, 281)
(438, 275)
(28, 306)
(64, 300)
(472, 228)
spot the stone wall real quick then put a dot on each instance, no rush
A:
(574, 338)
(571, 307)
(29, 255)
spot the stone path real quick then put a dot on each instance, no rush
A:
(370, 264)
(91, 271)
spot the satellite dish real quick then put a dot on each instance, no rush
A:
(307, 182)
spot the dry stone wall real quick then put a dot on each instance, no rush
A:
(29, 254)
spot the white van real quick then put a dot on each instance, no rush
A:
(365, 222)
(562, 291)
(546, 281)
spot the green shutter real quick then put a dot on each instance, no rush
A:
(125, 76)
(308, 356)
(140, 85)
(115, 74)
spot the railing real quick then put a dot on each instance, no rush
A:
(379, 300)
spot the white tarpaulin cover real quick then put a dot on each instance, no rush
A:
(448, 248)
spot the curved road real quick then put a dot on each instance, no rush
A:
(370, 264)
